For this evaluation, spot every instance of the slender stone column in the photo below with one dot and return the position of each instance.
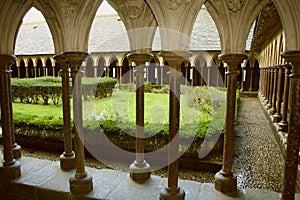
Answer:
(274, 94)
(140, 169)
(172, 191)
(283, 125)
(67, 159)
(270, 95)
(10, 169)
(267, 85)
(225, 181)
(82, 182)
(277, 116)
(261, 81)
(16, 148)
(251, 79)
(293, 140)
(225, 77)
(208, 75)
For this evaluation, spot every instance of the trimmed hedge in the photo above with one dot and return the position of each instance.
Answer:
(46, 89)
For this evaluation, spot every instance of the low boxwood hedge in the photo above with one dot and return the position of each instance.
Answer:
(48, 89)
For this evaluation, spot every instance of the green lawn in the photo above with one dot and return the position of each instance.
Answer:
(122, 106)
(201, 117)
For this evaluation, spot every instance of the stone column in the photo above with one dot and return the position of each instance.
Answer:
(277, 116)
(267, 85)
(225, 181)
(208, 76)
(172, 191)
(293, 139)
(274, 90)
(10, 169)
(140, 169)
(270, 95)
(82, 182)
(283, 124)
(260, 89)
(243, 78)
(67, 159)
(225, 76)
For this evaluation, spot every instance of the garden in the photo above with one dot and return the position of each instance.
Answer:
(109, 109)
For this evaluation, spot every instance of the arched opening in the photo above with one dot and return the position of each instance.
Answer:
(39, 68)
(101, 69)
(22, 69)
(89, 70)
(112, 68)
(125, 74)
(33, 25)
(49, 68)
(30, 69)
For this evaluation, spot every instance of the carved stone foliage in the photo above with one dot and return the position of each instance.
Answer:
(175, 4)
(235, 5)
(68, 8)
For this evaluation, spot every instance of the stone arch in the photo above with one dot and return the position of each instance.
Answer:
(101, 69)
(30, 69)
(289, 14)
(234, 25)
(89, 69)
(112, 68)
(39, 68)
(22, 69)
(49, 68)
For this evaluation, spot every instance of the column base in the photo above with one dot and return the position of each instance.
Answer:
(171, 194)
(10, 172)
(272, 111)
(17, 151)
(226, 184)
(283, 126)
(277, 117)
(67, 162)
(81, 186)
(139, 172)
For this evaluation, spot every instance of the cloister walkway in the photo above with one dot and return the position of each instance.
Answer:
(257, 164)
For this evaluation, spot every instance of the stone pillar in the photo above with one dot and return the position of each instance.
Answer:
(225, 181)
(140, 169)
(243, 78)
(277, 116)
(270, 95)
(225, 76)
(82, 182)
(10, 169)
(274, 90)
(267, 85)
(208, 75)
(283, 124)
(293, 139)
(260, 89)
(67, 159)
(172, 191)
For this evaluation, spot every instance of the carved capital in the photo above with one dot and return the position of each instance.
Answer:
(235, 5)
(6, 61)
(232, 60)
(175, 56)
(139, 58)
(293, 57)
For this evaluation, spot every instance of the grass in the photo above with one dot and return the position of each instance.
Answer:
(196, 118)
(122, 106)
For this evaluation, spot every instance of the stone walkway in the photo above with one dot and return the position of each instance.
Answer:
(259, 162)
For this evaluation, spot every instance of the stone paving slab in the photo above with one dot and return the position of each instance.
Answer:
(43, 179)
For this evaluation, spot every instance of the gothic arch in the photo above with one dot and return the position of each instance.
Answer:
(289, 14)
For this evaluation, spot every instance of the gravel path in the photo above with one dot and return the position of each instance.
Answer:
(258, 162)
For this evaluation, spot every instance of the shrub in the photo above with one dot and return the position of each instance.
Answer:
(43, 89)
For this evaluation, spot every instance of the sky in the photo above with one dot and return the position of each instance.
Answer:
(34, 15)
